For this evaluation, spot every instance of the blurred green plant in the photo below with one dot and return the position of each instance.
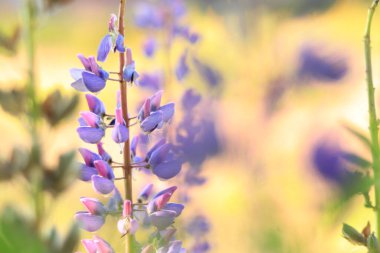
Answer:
(42, 180)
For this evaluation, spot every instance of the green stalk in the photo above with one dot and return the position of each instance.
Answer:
(30, 22)
(373, 122)
(127, 167)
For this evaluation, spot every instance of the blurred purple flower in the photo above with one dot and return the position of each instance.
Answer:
(210, 75)
(153, 81)
(149, 47)
(312, 64)
(182, 69)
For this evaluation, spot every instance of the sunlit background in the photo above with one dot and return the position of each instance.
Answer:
(290, 79)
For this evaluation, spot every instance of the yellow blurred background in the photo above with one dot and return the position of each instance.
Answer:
(263, 193)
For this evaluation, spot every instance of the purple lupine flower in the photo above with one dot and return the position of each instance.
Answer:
(102, 185)
(120, 132)
(90, 129)
(104, 48)
(182, 69)
(97, 245)
(112, 23)
(198, 226)
(162, 161)
(153, 81)
(190, 99)
(173, 247)
(129, 72)
(89, 157)
(201, 247)
(105, 156)
(162, 219)
(152, 115)
(104, 169)
(313, 64)
(92, 78)
(93, 206)
(210, 75)
(147, 16)
(88, 221)
(145, 193)
(95, 105)
(127, 224)
(119, 44)
(115, 201)
(149, 47)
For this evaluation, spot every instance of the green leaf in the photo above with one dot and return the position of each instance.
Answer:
(356, 160)
(352, 235)
(358, 134)
(56, 107)
(13, 101)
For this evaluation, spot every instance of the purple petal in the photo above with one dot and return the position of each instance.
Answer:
(159, 155)
(90, 134)
(104, 169)
(86, 172)
(134, 142)
(89, 222)
(79, 85)
(144, 110)
(145, 193)
(152, 121)
(115, 201)
(104, 48)
(155, 100)
(120, 133)
(167, 169)
(93, 205)
(162, 219)
(95, 105)
(120, 43)
(89, 157)
(89, 245)
(170, 190)
(167, 111)
(93, 82)
(102, 246)
(85, 61)
(76, 73)
(129, 73)
(105, 156)
(174, 207)
(155, 147)
(102, 185)
(93, 65)
(90, 118)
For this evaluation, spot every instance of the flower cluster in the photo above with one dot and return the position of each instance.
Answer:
(98, 167)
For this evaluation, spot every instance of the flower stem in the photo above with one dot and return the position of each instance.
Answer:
(127, 168)
(36, 177)
(373, 122)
